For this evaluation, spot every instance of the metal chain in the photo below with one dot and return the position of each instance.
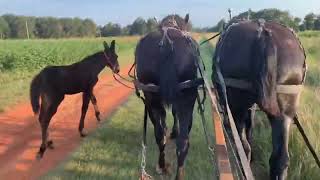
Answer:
(203, 120)
(144, 174)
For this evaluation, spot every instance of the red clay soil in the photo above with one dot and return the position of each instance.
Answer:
(20, 131)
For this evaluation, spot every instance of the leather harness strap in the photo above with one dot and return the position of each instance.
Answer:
(238, 83)
(246, 85)
(289, 89)
(155, 88)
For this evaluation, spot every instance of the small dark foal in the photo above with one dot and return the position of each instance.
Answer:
(54, 82)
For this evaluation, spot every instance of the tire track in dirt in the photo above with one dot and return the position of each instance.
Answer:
(20, 135)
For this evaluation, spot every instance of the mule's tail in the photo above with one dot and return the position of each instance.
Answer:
(266, 60)
(168, 76)
(35, 90)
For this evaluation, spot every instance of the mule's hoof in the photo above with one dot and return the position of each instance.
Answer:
(163, 171)
(82, 134)
(98, 116)
(50, 144)
(180, 174)
(39, 156)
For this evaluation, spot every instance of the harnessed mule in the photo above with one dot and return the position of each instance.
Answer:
(166, 72)
(261, 63)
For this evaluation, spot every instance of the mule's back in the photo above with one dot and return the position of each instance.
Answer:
(264, 55)
(237, 51)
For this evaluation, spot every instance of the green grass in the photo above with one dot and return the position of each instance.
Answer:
(20, 60)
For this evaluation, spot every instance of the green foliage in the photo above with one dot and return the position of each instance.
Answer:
(47, 27)
(111, 29)
(138, 27)
(309, 20)
(4, 28)
(219, 27)
(152, 24)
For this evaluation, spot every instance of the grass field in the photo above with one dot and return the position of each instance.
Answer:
(113, 151)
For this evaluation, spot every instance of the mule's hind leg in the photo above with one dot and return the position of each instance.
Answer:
(175, 131)
(48, 108)
(85, 103)
(279, 160)
(157, 115)
(184, 110)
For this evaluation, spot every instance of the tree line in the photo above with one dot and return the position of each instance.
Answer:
(12, 26)
(310, 22)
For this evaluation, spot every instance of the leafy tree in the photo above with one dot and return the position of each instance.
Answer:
(48, 28)
(17, 25)
(4, 28)
(126, 30)
(9, 18)
(317, 23)
(297, 23)
(272, 14)
(111, 29)
(67, 26)
(219, 27)
(89, 28)
(152, 25)
(309, 20)
(138, 27)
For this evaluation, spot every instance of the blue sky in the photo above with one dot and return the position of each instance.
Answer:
(202, 12)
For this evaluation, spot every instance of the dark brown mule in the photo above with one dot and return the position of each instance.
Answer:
(166, 58)
(256, 59)
(53, 82)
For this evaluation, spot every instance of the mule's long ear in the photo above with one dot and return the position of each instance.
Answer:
(106, 46)
(112, 46)
(186, 19)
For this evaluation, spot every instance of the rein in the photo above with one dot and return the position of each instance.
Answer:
(205, 41)
(123, 78)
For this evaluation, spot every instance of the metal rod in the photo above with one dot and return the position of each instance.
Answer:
(306, 140)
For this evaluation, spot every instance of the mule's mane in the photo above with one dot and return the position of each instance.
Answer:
(174, 21)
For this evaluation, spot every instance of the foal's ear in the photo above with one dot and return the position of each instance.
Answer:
(106, 46)
(186, 19)
(112, 46)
